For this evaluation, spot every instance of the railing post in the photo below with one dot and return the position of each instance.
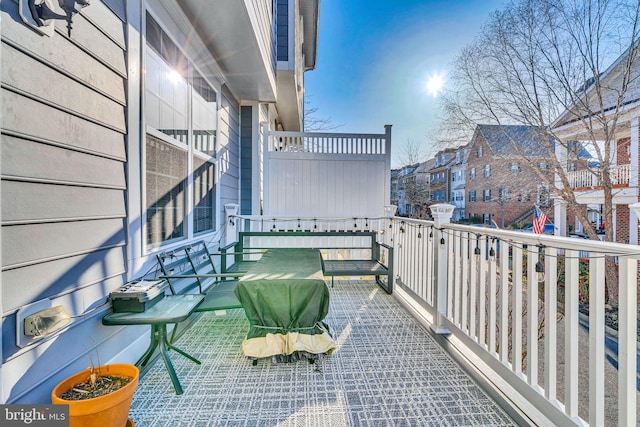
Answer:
(230, 232)
(441, 213)
(387, 154)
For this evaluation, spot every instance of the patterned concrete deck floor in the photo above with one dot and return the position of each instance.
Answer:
(386, 371)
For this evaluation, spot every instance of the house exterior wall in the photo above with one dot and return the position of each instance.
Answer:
(63, 179)
(74, 151)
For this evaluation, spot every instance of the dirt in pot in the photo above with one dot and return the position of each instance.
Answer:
(96, 386)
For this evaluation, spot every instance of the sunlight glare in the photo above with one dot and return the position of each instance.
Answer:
(435, 84)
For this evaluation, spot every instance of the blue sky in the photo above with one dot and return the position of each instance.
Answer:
(375, 57)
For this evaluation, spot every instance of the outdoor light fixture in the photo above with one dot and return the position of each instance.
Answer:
(41, 13)
(540, 271)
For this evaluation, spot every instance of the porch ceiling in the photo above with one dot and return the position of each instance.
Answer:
(386, 370)
(244, 55)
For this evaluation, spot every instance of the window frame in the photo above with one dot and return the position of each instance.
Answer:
(213, 91)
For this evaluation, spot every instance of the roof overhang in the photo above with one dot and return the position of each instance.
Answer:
(310, 11)
(229, 29)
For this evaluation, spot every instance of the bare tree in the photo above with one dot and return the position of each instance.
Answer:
(314, 123)
(543, 63)
(412, 152)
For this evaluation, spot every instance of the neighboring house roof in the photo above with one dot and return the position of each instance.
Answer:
(503, 139)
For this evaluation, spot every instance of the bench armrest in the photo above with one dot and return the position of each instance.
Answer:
(227, 247)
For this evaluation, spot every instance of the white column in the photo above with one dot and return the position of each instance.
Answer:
(634, 151)
(441, 213)
(560, 216)
(634, 216)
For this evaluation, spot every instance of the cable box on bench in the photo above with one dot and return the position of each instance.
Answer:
(137, 296)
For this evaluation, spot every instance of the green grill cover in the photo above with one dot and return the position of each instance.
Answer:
(285, 299)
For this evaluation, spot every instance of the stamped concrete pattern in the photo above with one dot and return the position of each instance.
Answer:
(386, 371)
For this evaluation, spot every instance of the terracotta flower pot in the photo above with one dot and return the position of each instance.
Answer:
(108, 410)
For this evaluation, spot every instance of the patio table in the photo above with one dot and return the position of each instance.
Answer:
(285, 298)
(170, 309)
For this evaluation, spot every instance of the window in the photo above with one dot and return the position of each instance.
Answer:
(472, 173)
(524, 196)
(542, 165)
(203, 195)
(282, 29)
(166, 174)
(544, 195)
(472, 196)
(504, 194)
(204, 115)
(453, 177)
(180, 111)
(486, 195)
(479, 152)
(487, 170)
(515, 168)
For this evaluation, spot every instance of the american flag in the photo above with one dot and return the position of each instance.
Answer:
(539, 220)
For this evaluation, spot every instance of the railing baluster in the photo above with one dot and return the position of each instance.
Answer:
(482, 292)
(627, 364)
(473, 284)
(491, 321)
(550, 323)
(516, 310)
(596, 339)
(571, 333)
(457, 261)
(466, 279)
(450, 273)
(532, 316)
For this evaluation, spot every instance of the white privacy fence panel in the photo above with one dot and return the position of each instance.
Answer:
(326, 175)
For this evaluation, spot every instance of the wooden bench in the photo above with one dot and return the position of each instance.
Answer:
(244, 253)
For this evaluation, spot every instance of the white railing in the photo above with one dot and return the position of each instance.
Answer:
(329, 143)
(474, 284)
(590, 179)
(254, 223)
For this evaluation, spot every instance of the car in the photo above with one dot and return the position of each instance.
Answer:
(548, 229)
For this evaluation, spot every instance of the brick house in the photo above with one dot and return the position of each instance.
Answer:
(500, 187)
(440, 179)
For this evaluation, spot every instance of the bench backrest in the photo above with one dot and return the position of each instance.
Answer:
(361, 242)
(192, 259)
